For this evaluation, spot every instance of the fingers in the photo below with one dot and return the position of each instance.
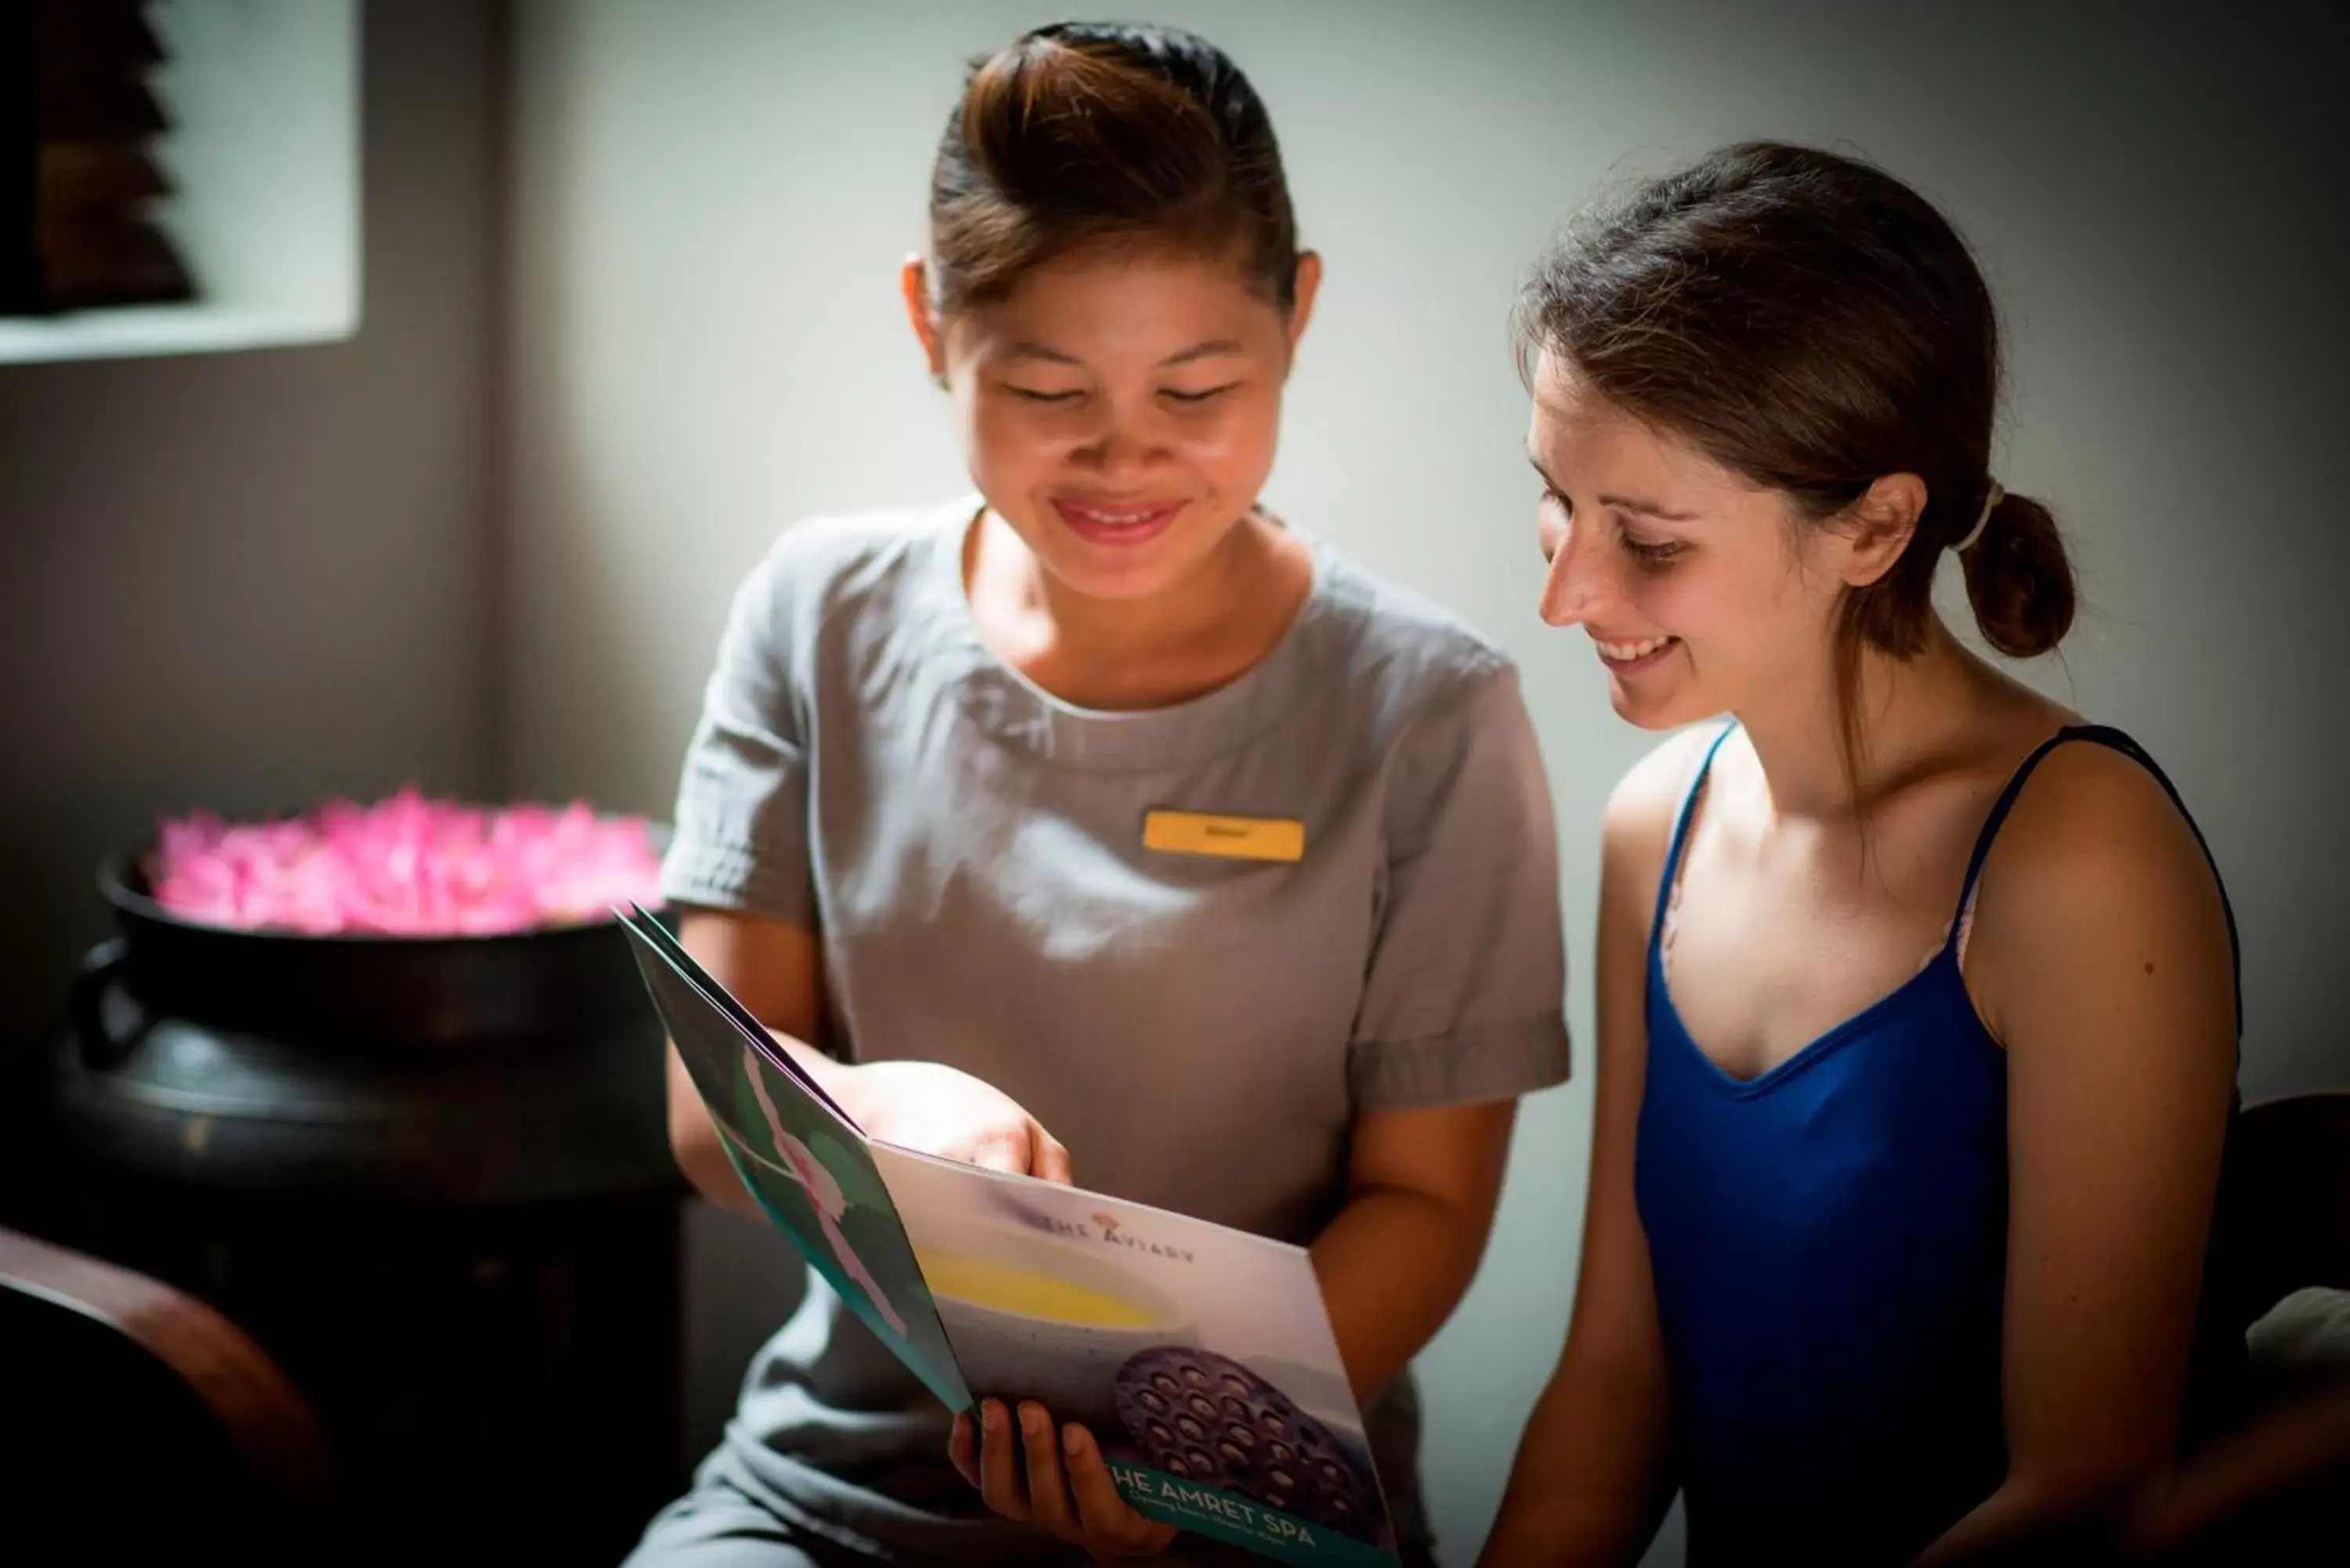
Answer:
(962, 1449)
(1048, 1159)
(999, 1472)
(1023, 1150)
(1102, 1513)
(1048, 1494)
(1018, 1469)
(1003, 1148)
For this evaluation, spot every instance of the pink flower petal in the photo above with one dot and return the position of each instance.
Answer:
(407, 866)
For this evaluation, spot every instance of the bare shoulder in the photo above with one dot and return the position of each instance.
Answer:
(2095, 823)
(2097, 878)
(1644, 799)
(1638, 820)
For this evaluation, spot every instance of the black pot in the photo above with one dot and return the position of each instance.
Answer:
(504, 1068)
(431, 1176)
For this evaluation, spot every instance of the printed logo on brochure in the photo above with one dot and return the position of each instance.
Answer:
(1100, 1228)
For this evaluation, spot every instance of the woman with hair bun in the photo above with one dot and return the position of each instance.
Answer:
(1917, 1000)
(911, 831)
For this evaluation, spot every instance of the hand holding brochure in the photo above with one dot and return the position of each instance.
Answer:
(1201, 1357)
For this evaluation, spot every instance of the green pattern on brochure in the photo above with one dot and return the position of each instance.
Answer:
(808, 1169)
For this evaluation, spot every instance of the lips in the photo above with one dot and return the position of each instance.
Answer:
(1120, 521)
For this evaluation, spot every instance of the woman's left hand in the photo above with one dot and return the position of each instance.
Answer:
(1022, 1475)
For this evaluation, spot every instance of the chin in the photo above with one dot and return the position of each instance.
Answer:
(1128, 572)
(1659, 712)
(1082, 572)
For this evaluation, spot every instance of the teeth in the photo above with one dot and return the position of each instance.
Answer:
(1624, 652)
(1118, 519)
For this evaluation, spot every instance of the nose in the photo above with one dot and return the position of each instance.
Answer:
(1580, 580)
(1120, 443)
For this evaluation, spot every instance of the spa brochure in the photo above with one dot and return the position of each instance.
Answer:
(1201, 1357)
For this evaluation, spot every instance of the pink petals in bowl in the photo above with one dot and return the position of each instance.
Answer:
(405, 867)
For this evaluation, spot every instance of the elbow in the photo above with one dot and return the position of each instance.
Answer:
(1452, 1236)
(684, 1136)
(693, 1144)
(694, 1141)
(2088, 1483)
(2070, 1507)
(684, 1139)
(681, 1149)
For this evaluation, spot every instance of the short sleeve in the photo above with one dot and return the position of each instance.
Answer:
(741, 839)
(1465, 994)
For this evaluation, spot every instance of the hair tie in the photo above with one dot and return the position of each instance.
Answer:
(1990, 504)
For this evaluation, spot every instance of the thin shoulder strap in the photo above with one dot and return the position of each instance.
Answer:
(1680, 835)
(2116, 740)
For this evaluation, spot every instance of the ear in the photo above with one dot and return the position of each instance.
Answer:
(1878, 527)
(914, 284)
(1306, 284)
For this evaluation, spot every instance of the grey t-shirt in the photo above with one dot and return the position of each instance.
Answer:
(1198, 1030)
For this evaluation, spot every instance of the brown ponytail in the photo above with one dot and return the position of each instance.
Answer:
(2017, 579)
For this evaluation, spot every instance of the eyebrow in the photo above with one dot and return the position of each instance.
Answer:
(1622, 503)
(1211, 350)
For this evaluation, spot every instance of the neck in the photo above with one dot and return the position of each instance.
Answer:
(1903, 707)
(1195, 633)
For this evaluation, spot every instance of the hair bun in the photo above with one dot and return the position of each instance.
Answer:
(2018, 580)
(1080, 131)
(1053, 122)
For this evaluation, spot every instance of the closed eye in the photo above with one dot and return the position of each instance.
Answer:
(1034, 395)
(1208, 395)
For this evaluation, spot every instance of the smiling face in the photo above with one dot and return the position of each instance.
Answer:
(1702, 592)
(1119, 407)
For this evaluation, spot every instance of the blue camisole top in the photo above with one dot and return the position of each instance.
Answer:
(1828, 1242)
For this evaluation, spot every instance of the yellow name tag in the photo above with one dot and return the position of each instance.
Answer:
(1233, 838)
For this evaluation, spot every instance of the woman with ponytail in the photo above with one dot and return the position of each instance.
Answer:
(1917, 993)
(910, 833)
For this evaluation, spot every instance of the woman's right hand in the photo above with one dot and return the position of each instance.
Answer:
(939, 1110)
(777, 969)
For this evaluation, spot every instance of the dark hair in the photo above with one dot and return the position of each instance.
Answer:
(1812, 324)
(1083, 132)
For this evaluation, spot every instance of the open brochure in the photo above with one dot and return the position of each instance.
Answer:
(1200, 1356)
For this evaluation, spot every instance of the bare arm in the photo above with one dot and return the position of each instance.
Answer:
(1421, 1186)
(2100, 957)
(1591, 1480)
(776, 971)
